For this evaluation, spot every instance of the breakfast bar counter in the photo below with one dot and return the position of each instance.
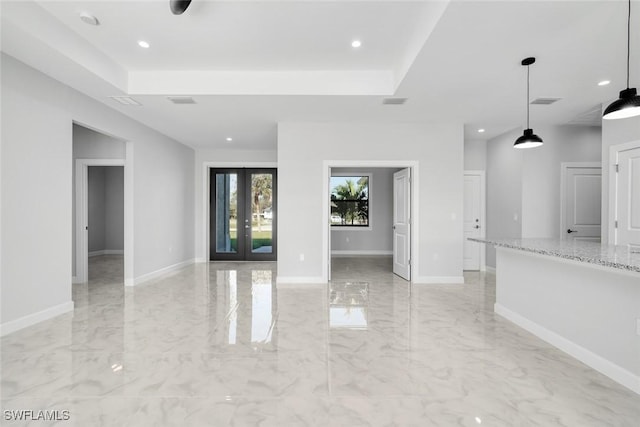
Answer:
(582, 297)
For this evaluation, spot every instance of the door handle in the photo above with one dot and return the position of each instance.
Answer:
(571, 231)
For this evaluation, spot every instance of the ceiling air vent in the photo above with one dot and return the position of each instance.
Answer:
(126, 100)
(181, 100)
(544, 101)
(394, 101)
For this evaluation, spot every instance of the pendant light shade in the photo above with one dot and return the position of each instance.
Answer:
(628, 105)
(528, 138)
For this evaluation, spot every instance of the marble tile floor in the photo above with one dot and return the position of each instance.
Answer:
(220, 344)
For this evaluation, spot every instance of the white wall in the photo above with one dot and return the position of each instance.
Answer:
(475, 155)
(614, 132)
(96, 209)
(378, 238)
(114, 206)
(304, 147)
(504, 190)
(523, 186)
(37, 116)
(219, 158)
(106, 208)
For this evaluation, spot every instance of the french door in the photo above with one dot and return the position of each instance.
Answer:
(243, 214)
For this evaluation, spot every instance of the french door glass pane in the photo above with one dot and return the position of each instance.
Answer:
(262, 213)
(226, 213)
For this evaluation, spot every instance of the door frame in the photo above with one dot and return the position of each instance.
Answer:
(326, 207)
(613, 187)
(82, 215)
(206, 188)
(244, 186)
(483, 214)
(564, 169)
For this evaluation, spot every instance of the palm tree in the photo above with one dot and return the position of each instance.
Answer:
(353, 197)
(261, 186)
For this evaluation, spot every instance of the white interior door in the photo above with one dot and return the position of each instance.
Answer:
(402, 223)
(472, 220)
(582, 203)
(628, 198)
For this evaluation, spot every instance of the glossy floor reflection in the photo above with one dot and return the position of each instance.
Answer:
(219, 344)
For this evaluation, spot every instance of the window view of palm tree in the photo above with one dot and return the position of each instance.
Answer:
(350, 201)
(260, 218)
(262, 213)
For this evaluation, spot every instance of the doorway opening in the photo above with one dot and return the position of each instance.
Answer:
(102, 208)
(243, 214)
(369, 210)
(105, 215)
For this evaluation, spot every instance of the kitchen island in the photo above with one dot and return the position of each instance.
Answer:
(582, 297)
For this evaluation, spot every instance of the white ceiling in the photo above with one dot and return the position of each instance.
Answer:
(250, 65)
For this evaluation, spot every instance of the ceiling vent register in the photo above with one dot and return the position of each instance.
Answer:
(181, 100)
(394, 101)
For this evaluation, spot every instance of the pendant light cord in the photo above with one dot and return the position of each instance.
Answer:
(628, 42)
(527, 96)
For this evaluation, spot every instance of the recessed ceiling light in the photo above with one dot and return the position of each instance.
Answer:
(229, 139)
(481, 130)
(143, 44)
(88, 18)
(604, 83)
(356, 43)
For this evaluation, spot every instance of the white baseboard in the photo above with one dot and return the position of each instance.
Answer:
(201, 260)
(31, 319)
(490, 269)
(600, 364)
(361, 253)
(159, 273)
(431, 280)
(107, 252)
(301, 280)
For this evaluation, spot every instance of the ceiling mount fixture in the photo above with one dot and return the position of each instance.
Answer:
(628, 105)
(528, 139)
(394, 101)
(179, 6)
(88, 18)
(181, 100)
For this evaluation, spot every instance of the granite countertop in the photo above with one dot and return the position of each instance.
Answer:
(620, 257)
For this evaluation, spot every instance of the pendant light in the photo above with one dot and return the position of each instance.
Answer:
(528, 139)
(628, 105)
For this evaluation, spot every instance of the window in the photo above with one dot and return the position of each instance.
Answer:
(350, 200)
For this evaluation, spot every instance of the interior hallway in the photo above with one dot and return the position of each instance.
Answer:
(220, 344)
